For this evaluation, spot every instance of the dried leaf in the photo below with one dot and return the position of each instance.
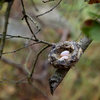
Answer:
(94, 1)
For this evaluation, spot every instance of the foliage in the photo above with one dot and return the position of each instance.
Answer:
(91, 28)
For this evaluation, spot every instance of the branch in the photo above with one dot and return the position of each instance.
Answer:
(45, 1)
(23, 71)
(59, 75)
(25, 16)
(34, 64)
(34, 5)
(35, 23)
(26, 46)
(27, 38)
(7, 14)
(84, 43)
(16, 65)
(50, 9)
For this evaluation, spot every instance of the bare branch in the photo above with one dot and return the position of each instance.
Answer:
(26, 46)
(59, 75)
(34, 64)
(50, 9)
(84, 43)
(35, 23)
(45, 1)
(56, 79)
(5, 80)
(34, 5)
(16, 65)
(25, 16)
(7, 13)
(23, 71)
(27, 38)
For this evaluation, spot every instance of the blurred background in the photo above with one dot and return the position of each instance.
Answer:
(63, 23)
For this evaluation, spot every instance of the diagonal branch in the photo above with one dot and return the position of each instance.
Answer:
(24, 72)
(16, 65)
(26, 46)
(7, 14)
(26, 19)
(59, 75)
(34, 5)
(50, 9)
(34, 64)
(25, 16)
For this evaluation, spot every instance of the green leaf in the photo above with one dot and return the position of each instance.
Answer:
(91, 28)
(94, 15)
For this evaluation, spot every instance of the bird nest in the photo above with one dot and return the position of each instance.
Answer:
(73, 49)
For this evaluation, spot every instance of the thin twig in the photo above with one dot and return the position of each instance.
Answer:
(27, 38)
(7, 14)
(31, 19)
(16, 65)
(21, 80)
(34, 5)
(16, 36)
(25, 17)
(47, 1)
(4, 81)
(23, 71)
(34, 64)
(49, 10)
(14, 51)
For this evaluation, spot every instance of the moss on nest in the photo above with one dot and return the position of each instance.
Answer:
(75, 52)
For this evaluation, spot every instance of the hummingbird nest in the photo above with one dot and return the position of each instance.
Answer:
(73, 49)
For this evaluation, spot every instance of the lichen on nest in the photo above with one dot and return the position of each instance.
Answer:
(69, 60)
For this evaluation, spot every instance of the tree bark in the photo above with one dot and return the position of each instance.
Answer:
(59, 74)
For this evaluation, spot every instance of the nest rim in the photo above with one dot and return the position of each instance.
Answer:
(75, 53)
